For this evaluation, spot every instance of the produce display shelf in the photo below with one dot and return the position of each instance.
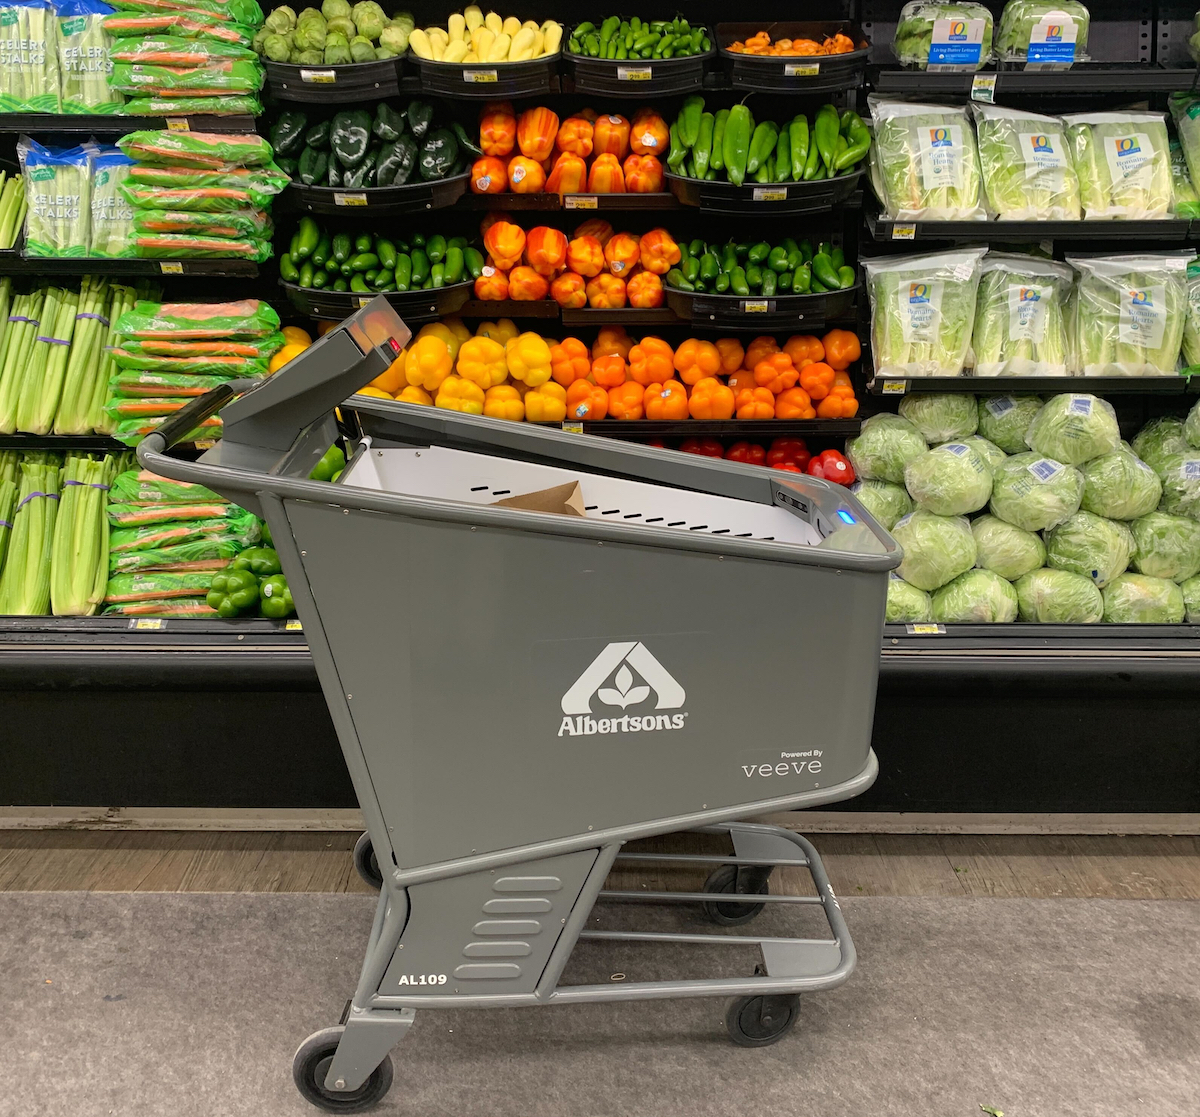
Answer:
(509, 308)
(378, 201)
(63, 443)
(635, 77)
(758, 314)
(1035, 648)
(329, 85)
(488, 81)
(1084, 77)
(1171, 230)
(756, 430)
(771, 74)
(783, 199)
(632, 316)
(110, 124)
(412, 306)
(998, 385)
(554, 202)
(13, 263)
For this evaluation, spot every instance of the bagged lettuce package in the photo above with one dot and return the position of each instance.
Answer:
(1026, 163)
(1020, 317)
(1044, 34)
(943, 36)
(1123, 160)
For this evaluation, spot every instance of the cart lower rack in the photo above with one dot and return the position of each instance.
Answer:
(543, 690)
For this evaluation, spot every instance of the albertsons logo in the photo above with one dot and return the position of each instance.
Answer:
(625, 674)
(1128, 145)
(918, 293)
(940, 137)
(1140, 298)
(1028, 295)
(958, 31)
(1041, 145)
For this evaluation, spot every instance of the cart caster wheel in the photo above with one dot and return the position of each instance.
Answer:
(311, 1064)
(761, 1021)
(747, 880)
(367, 863)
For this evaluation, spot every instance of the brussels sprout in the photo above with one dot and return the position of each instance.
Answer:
(395, 38)
(1035, 493)
(1167, 546)
(362, 49)
(331, 9)
(937, 549)
(1005, 420)
(1158, 440)
(276, 47)
(281, 20)
(368, 18)
(941, 417)
(1120, 486)
(1059, 597)
(1006, 549)
(905, 603)
(976, 597)
(1137, 599)
(1090, 545)
(1073, 429)
(949, 479)
(989, 451)
(1191, 599)
(343, 25)
(885, 501)
(884, 446)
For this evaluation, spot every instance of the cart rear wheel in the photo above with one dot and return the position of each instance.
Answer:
(744, 880)
(311, 1064)
(761, 1021)
(367, 863)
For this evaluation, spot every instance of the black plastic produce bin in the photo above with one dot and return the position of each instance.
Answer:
(381, 201)
(756, 198)
(638, 77)
(358, 81)
(822, 73)
(758, 314)
(488, 80)
(412, 306)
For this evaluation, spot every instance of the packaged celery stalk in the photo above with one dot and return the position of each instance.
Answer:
(1044, 34)
(1123, 161)
(928, 161)
(58, 190)
(112, 215)
(1026, 163)
(1020, 317)
(29, 79)
(922, 311)
(1130, 313)
(943, 36)
(84, 59)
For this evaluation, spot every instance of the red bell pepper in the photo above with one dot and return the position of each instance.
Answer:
(789, 451)
(749, 452)
(705, 447)
(831, 466)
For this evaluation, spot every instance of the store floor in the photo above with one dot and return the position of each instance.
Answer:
(1045, 977)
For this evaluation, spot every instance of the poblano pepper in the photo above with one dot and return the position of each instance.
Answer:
(438, 154)
(420, 116)
(287, 136)
(388, 125)
(349, 135)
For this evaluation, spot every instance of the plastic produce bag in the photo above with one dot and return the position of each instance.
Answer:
(243, 526)
(1035, 493)
(213, 79)
(258, 348)
(1046, 34)
(905, 603)
(84, 57)
(1120, 485)
(1167, 546)
(201, 199)
(1185, 112)
(976, 597)
(233, 104)
(152, 587)
(175, 322)
(1190, 346)
(1026, 164)
(132, 431)
(202, 150)
(1191, 599)
(58, 192)
(236, 223)
(205, 365)
(885, 501)
(212, 553)
(1123, 160)
(989, 451)
(182, 24)
(1160, 440)
(1138, 599)
(1091, 545)
(176, 50)
(922, 311)
(1005, 420)
(112, 215)
(943, 36)
(1058, 597)
(267, 180)
(950, 480)
(1021, 317)
(140, 486)
(1186, 201)
(941, 416)
(1074, 429)
(173, 607)
(245, 12)
(1191, 427)
(1180, 476)
(937, 549)
(29, 80)
(1129, 314)
(1010, 551)
(928, 161)
(183, 246)
(883, 447)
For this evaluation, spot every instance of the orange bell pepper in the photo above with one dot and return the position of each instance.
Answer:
(839, 404)
(568, 176)
(606, 292)
(842, 348)
(742, 378)
(547, 403)
(503, 402)
(731, 352)
(575, 136)
(492, 285)
(666, 400)
(658, 252)
(804, 349)
(526, 285)
(710, 399)
(610, 340)
(536, 132)
(610, 136)
(755, 403)
(570, 361)
(595, 227)
(622, 253)
(643, 174)
(606, 176)
(794, 404)
(625, 402)
(759, 350)
(817, 379)
(488, 175)
(644, 290)
(525, 175)
(610, 371)
(586, 400)
(585, 255)
(651, 361)
(775, 373)
(649, 134)
(568, 291)
(497, 130)
(545, 250)
(505, 244)
(695, 360)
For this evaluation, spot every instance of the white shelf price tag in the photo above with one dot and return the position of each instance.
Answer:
(170, 267)
(144, 624)
(983, 88)
(634, 73)
(319, 77)
(349, 199)
(770, 193)
(801, 69)
(926, 629)
(479, 77)
(580, 201)
(904, 232)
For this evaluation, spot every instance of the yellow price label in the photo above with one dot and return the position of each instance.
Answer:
(319, 77)
(143, 624)
(756, 306)
(770, 194)
(904, 231)
(340, 199)
(479, 77)
(171, 267)
(580, 201)
(926, 629)
(895, 387)
(573, 428)
(634, 73)
(178, 124)
(801, 69)
(293, 626)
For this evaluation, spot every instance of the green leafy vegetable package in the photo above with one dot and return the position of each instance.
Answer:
(1021, 317)
(1028, 173)
(1048, 34)
(1123, 160)
(29, 80)
(943, 36)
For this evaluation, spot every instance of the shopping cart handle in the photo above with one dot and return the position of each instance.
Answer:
(179, 425)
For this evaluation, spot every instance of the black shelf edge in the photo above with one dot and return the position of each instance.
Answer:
(509, 308)
(114, 124)
(750, 429)
(1093, 77)
(1026, 646)
(13, 263)
(56, 634)
(574, 202)
(79, 443)
(1171, 230)
(1000, 385)
(622, 316)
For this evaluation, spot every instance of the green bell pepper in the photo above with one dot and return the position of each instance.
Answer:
(233, 592)
(260, 561)
(332, 461)
(275, 598)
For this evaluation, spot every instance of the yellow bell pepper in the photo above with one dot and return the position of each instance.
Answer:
(529, 359)
(440, 329)
(458, 328)
(428, 362)
(503, 402)
(457, 394)
(413, 394)
(547, 403)
(481, 360)
(500, 331)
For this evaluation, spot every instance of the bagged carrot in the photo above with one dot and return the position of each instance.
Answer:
(243, 527)
(185, 25)
(200, 199)
(181, 246)
(132, 384)
(144, 408)
(246, 12)
(178, 607)
(203, 150)
(140, 486)
(236, 223)
(267, 180)
(215, 77)
(176, 50)
(132, 431)
(263, 348)
(244, 319)
(216, 551)
(235, 104)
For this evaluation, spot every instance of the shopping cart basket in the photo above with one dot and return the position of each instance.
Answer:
(519, 693)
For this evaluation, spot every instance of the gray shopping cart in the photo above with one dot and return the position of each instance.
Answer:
(548, 685)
